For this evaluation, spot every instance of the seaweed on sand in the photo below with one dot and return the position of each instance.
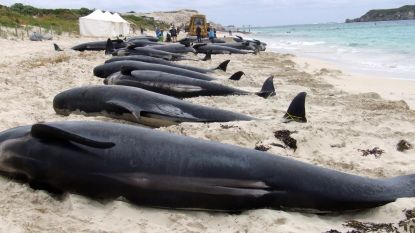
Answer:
(285, 137)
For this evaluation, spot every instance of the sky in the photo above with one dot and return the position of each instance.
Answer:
(238, 13)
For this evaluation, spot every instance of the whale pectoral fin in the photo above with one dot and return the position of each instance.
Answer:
(44, 131)
(126, 107)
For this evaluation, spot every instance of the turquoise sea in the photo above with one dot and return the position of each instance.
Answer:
(380, 48)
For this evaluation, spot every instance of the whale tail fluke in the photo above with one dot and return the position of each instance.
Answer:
(223, 66)
(267, 89)
(208, 56)
(296, 110)
(57, 48)
(237, 76)
(109, 48)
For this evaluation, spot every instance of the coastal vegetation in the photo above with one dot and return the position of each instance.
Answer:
(58, 20)
(403, 13)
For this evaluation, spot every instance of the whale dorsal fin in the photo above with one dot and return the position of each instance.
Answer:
(236, 76)
(222, 66)
(296, 110)
(268, 88)
(133, 109)
(44, 131)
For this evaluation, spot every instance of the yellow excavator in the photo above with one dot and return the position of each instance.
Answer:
(196, 20)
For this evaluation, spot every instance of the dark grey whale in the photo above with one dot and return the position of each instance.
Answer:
(99, 45)
(138, 105)
(159, 169)
(240, 45)
(259, 44)
(180, 86)
(131, 49)
(174, 48)
(217, 49)
(144, 38)
(223, 66)
(107, 69)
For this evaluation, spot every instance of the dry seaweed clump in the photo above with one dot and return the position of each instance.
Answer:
(229, 126)
(403, 146)
(371, 227)
(261, 147)
(377, 152)
(285, 137)
(408, 224)
(332, 231)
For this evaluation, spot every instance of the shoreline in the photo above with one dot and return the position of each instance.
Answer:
(355, 82)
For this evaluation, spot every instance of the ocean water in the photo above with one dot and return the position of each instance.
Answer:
(384, 49)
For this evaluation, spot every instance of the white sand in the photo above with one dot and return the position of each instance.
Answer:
(339, 124)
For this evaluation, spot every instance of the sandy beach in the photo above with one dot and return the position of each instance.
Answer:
(345, 113)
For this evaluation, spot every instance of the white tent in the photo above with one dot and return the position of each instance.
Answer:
(100, 24)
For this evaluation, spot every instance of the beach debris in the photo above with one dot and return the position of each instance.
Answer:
(371, 227)
(261, 147)
(338, 145)
(285, 137)
(57, 48)
(408, 224)
(376, 151)
(403, 146)
(39, 37)
(332, 231)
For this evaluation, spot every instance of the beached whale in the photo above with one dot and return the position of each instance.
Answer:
(223, 66)
(143, 37)
(107, 69)
(180, 86)
(159, 169)
(174, 48)
(147, 51)
(216, 49)
(241, 46)
(138, 105)
(191, 39)
(100, 45)
(131, 49)
(142, 43)
(259, 44)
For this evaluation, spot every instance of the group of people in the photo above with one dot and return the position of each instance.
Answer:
(170, 37)
(173, 32)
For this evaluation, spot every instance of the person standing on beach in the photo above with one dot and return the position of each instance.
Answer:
(211, 35)
(199, 34)
(173, 33)
(158, 32)
(161, 36)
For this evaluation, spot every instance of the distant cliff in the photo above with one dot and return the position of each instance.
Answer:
(403, 13)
